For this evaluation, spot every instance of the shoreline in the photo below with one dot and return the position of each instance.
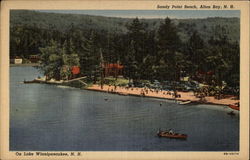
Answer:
(25, 64)
(151, 93)
(184, 96)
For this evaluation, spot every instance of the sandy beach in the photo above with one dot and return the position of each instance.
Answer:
(183, 96)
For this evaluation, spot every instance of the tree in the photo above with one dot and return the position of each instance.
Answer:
(137, 50)
(56, 62)
(195, 54)
(51, 61)
(168, 46)
(90, 58)
(131, 66)
(224, 61)
(147, 66)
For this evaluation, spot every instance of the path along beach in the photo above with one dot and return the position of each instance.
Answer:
(183, 96)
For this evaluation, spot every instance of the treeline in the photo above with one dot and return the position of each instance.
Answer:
(146, 53)
(62, 22)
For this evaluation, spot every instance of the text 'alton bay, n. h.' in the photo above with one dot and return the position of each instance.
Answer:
(195, 6)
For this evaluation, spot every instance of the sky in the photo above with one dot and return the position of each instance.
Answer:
(179, 14)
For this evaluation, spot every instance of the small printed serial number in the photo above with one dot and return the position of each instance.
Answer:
(231, 153)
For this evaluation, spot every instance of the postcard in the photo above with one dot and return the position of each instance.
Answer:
(124, 80)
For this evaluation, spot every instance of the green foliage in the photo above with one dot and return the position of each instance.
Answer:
(90, 58)
(168, 47)
(149, 49)
(116, 81)
(56, 62)
(131, 67)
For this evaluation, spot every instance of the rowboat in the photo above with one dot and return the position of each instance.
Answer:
(43, 81)
(123, 94)
(34, 81)
(171, 135)
(185, 102)
(235, 106)
(29, 81)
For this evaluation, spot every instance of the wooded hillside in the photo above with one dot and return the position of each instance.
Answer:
(163, 49)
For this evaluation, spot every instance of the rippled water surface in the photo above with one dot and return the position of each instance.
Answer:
(51, 118)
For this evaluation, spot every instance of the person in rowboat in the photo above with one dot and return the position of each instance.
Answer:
(171, 131)
(159, 131)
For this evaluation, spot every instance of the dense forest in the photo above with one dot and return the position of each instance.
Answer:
(207, 50)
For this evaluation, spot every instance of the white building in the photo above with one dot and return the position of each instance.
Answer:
(16, 61)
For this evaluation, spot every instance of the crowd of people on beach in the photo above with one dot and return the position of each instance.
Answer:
(166, 94)
(142, 91)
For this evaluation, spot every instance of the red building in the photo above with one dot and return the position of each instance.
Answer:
(112, 69)
(34, 58)
(75, 70)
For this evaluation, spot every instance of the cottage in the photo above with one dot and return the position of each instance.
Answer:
(112, 69)
(16, 60)
(34, 58)
(69, 72)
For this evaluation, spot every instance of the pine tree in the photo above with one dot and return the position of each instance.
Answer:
(137, 33)
(90, 58)
(195, 54)
(168, 46)
(131, 65)
(136, 50)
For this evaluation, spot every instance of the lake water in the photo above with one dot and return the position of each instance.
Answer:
(56, 118)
